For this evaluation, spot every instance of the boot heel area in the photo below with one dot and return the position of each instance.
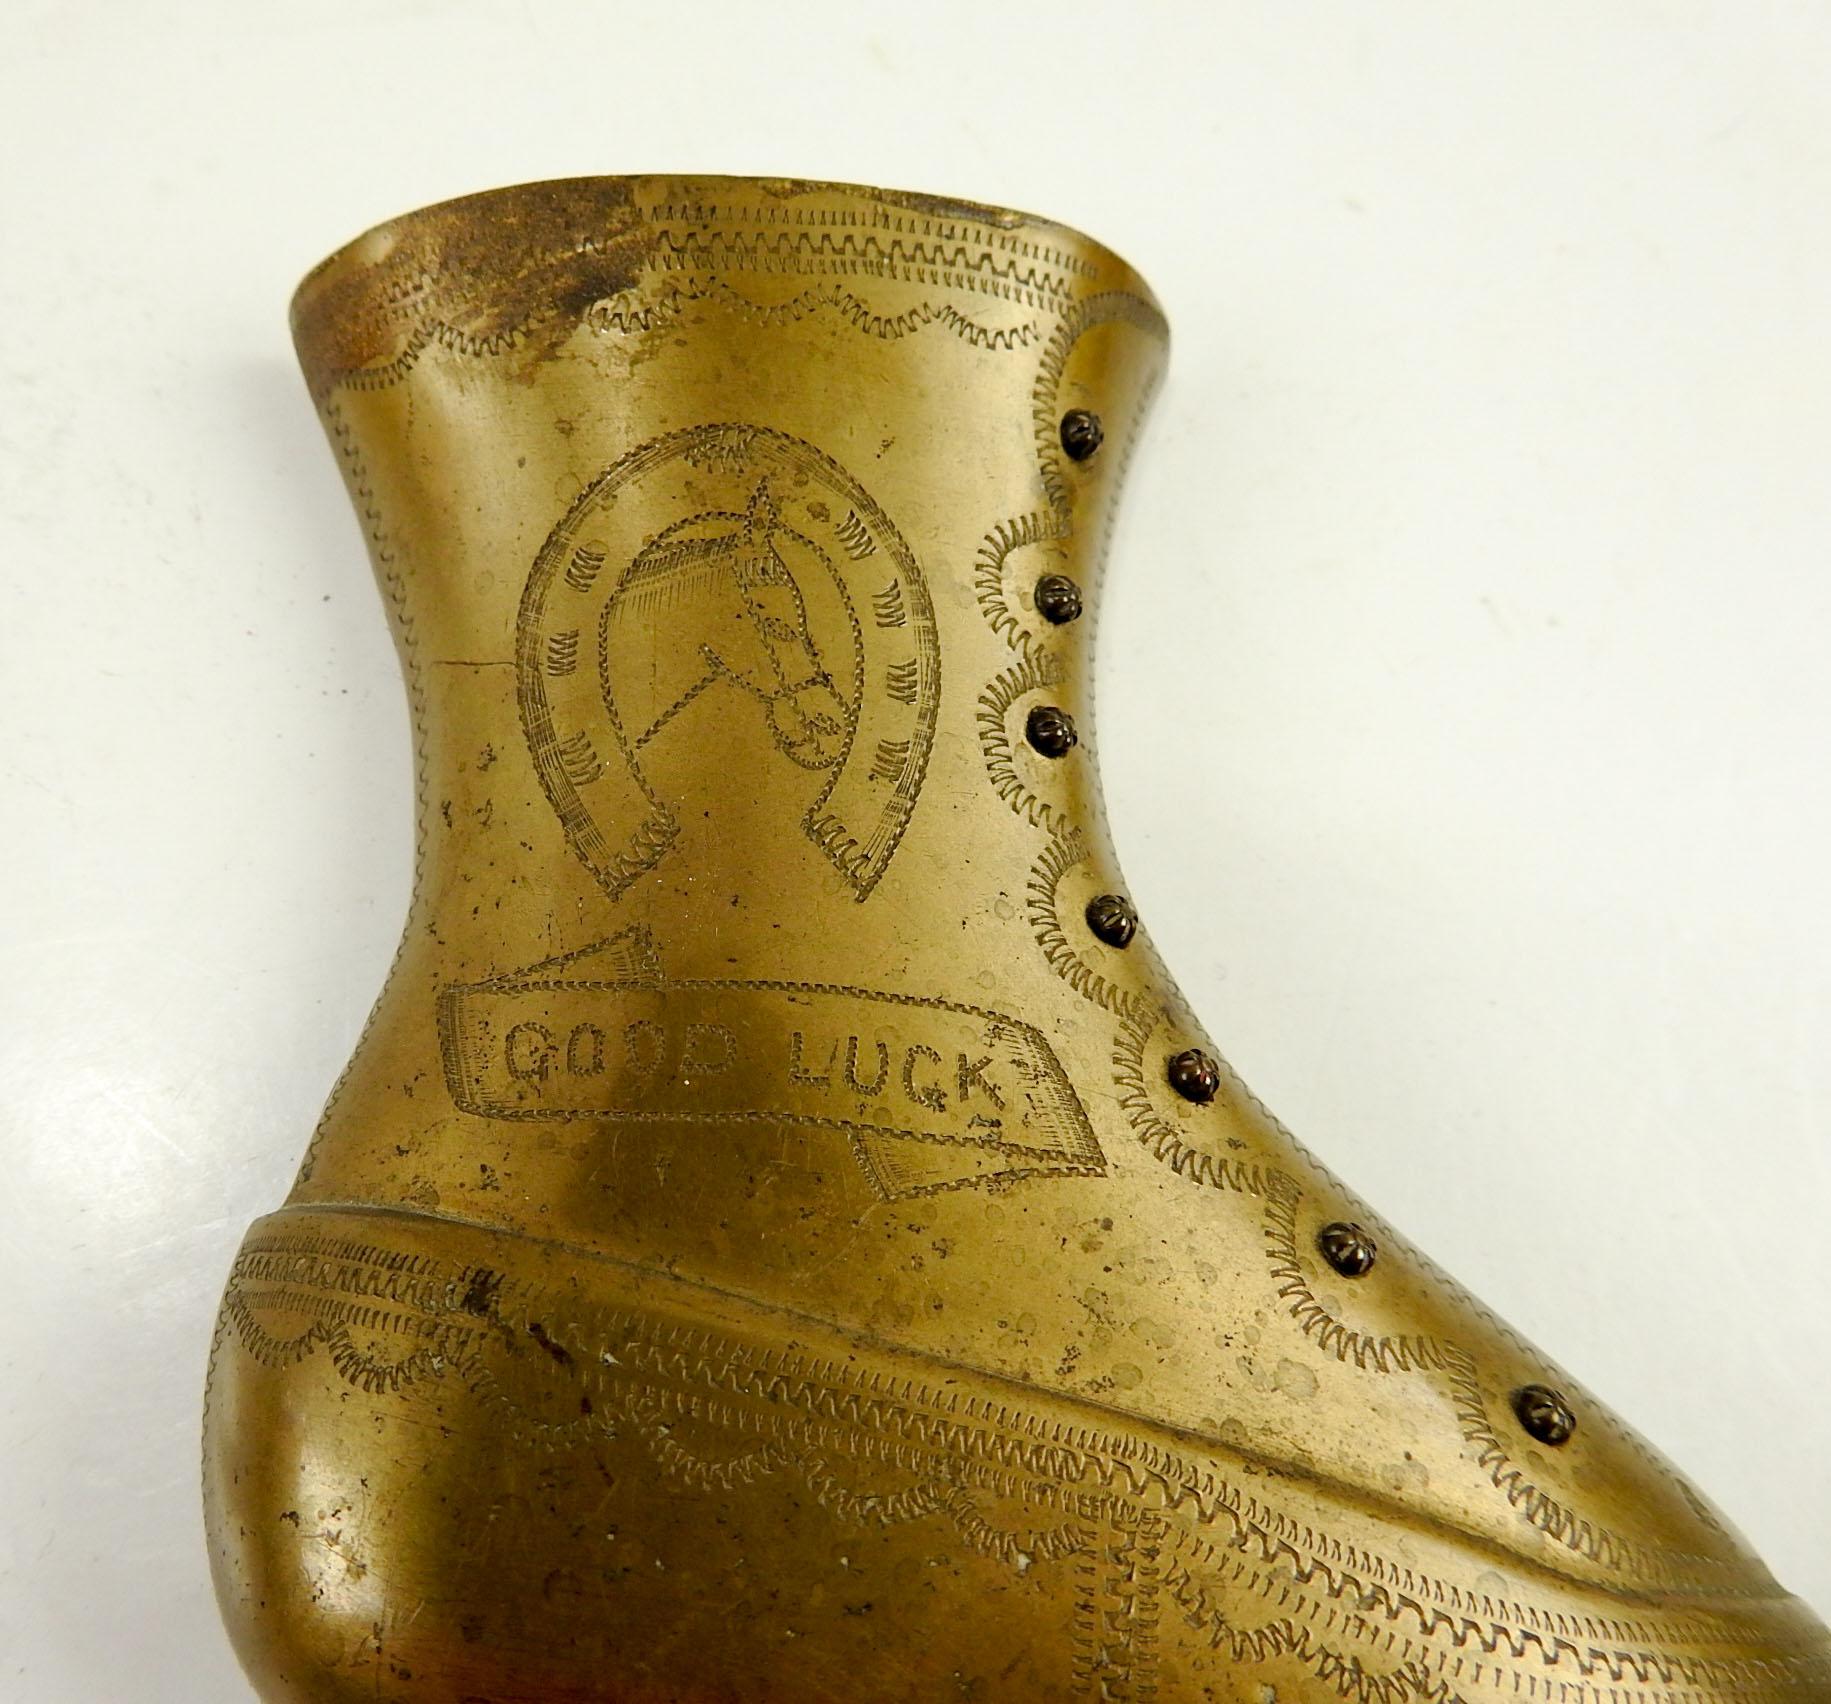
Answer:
(447, 1464)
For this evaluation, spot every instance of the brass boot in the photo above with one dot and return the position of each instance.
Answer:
(781, 1236)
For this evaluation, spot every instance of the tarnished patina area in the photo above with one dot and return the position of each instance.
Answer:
(781, 1235)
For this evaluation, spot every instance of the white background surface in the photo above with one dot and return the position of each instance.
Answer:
(1464, 687)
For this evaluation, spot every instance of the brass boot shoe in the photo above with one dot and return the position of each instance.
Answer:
(781, 1237)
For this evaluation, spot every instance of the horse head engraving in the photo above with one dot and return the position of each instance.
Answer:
(792, 614)
(737, 613)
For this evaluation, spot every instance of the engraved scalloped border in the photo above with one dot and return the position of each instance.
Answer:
(1088, 1474)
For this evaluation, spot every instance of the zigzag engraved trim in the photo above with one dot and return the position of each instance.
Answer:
(883, 210)
(1410, 1683)
(657, 1418)
(1161, 1140)
(1383, 1591)
(1117, 1611)
(1663, 1563)
(952, 264)
(1371, 1354)
(430, 293)
(1386, 1354)
(635, 1367)
(1595, 1647)
(988, 573)
(1112, 307)
(1743, 1678)
(1372, 1584)
(359, 1367)
(435, 333)
(1062, 853)
(995, 737)
(1586, 1537)
(654, 1424)
(629, 312)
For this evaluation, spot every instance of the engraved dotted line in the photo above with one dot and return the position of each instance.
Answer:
(953, 264)
(416, 302)
(1395, 1590)
(1107, 308)
(394, 589)
(878, 216)
(1494, 1640)
(628, 312)
(390, 1377)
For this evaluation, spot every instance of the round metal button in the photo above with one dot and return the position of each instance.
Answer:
(1082, 433)
(1348, 1248)
(1051, 730)
(1545, 1413)
(1058, 599)
(1113, 919)
(1195, 1076)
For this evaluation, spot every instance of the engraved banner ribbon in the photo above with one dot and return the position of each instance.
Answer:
(932, 1095)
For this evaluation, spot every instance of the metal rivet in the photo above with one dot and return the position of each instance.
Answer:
(1113, 918)
(1051, 730)
(1544, 1413)
(1082, 433)
(1347, 1247)
(1058, 598)
(1194, 1075)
